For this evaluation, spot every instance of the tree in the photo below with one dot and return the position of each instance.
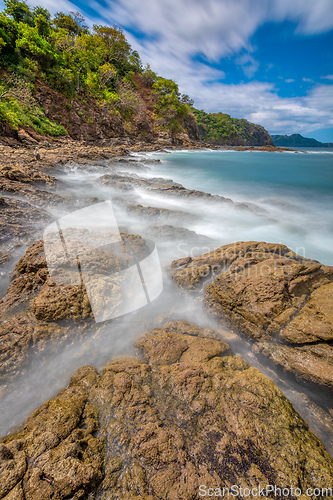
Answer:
(31, 43)
(19, 11)
(112, 45)
(73, 23)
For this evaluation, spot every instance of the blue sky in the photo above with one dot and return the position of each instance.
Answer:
(270, 61)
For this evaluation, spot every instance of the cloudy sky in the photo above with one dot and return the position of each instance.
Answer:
(270, 61)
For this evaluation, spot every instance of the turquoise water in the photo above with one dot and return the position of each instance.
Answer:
(294, 189)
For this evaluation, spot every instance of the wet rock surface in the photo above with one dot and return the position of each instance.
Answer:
(173, 233)
(26, 174)
(185, 412)
(122, 181)
(20, 220)
(160, 214)
(37, 310)
(169, 188)
(274, 297)
(20, 180)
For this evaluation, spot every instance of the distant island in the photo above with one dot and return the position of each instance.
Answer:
(297, 140)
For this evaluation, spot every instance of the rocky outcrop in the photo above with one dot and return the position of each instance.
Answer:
(160, 214)
(169, 233)
(23, 204)
(27, 174)
(36, 309)
(124, 181)
(185, 413)
(87, 120)
(19, 220)
(275, 297)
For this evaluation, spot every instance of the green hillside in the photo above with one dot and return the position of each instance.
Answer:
(58, 77)
(220, 128)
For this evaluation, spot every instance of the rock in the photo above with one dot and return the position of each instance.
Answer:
(35, 307)
(161, 426)
(20, 220)
(160, 214)
(32, 194)
(22, 173)
(176, 190)
(313, 364)
(124, 181)
(26, 138)
(56, 454)
(269, 293)
(168, 187)
(171, 233)
(4, 256)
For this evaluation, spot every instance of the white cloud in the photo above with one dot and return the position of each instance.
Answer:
(327, 77)
(307, 80)
(312, 16)
(214, 28)
(179, 30)
(248, 64)
(289, 80)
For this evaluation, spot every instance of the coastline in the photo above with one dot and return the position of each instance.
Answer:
(67, 150)
(43, 318)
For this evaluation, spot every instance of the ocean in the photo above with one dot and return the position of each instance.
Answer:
(294, 191)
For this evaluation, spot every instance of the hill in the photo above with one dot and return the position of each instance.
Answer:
(297, 140)
(59, 78)
(220, 128)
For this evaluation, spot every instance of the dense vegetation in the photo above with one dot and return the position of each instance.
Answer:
(220, 128)
(297, 140)
(84, 76)
(79, 63)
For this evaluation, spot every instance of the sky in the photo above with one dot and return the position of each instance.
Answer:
(269, 61)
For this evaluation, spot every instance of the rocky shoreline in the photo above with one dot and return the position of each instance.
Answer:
(186, 410)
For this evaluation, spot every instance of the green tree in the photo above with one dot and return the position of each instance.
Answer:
(73, 23)
(19, 11)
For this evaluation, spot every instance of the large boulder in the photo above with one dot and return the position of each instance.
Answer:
(36, 309)
(274, 297)
(185, 413)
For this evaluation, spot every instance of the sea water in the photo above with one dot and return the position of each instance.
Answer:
(293, 189)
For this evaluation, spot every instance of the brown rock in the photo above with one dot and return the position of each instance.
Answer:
(161, 429)
(20, 220)
(33, 194)
(159, 214)
(56, 453)
(267, 292)
(25, 174)
(26, 138)
(34, 304)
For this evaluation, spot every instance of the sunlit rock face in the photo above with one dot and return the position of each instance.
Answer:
(273, 296)
(185, 412)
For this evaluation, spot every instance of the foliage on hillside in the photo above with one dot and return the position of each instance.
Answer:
(79, 63)
(220, 128)
(57, 76)
(297, 140)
